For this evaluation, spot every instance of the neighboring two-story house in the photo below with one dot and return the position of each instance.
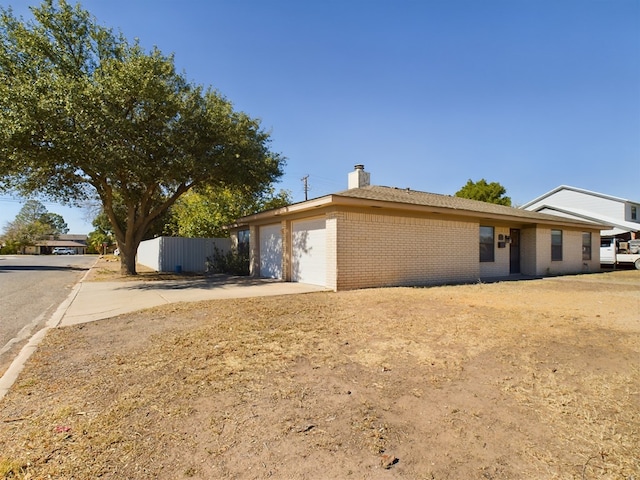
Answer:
(579, 204)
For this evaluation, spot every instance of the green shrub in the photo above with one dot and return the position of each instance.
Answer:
(233, 262)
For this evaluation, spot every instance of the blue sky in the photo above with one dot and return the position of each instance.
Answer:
(426, 94)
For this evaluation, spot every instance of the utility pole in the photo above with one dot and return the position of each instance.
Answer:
(305, 181)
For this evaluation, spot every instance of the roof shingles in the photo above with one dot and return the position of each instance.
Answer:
(425, 199)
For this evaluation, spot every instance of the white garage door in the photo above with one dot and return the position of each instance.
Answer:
(271, 251)
(308, 247)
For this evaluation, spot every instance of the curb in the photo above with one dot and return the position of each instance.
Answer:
(11, 375)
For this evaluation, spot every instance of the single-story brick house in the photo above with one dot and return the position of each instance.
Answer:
(374, 236)
(68, 240)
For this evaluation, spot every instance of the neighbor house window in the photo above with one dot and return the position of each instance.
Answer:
(586, 246)
(556, 245)
(486, 244)
(634, 212)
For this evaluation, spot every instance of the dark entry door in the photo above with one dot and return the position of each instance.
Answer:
(514, 251)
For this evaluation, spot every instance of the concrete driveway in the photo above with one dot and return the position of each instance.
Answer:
(99, 300)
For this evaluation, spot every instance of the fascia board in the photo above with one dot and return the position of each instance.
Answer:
(546, 220)
(338, 200)
(284, 211)
(578, 190)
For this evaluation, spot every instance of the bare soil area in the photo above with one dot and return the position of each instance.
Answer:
(532, 379)
(107, 269)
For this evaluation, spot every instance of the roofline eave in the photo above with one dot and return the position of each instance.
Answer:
(579, 190)
(547, 220)
(610, 224)
(288, 210)
(341, 200)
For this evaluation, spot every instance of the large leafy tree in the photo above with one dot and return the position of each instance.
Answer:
(485, 192)
(206, 212)
(85, 113)
(32, 223)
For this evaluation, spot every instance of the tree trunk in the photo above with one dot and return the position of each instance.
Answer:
(128, 259)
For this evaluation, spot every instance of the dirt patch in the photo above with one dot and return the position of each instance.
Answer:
(107, 269)
(536, 379)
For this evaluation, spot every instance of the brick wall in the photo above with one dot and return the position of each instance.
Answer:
(388, 250)
(571, 252)
(528, 251)
(366, 249)
(332, 250)
(254, 251)
(500, 266)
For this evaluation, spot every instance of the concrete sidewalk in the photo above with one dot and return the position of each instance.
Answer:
(91, 301)
(99, 300)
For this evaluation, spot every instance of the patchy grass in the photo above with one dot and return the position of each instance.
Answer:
(535, 379)
(107, 269)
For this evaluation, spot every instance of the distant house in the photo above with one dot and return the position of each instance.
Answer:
(45, 247)
(622, 215)
(374, 236)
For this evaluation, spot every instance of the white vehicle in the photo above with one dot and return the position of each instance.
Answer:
(614, 252)
(63, 251)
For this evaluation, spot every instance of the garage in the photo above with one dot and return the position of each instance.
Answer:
(308, 248)
(373, 236)
(271, 251)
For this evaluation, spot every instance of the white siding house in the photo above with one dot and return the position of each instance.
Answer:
(580, 204)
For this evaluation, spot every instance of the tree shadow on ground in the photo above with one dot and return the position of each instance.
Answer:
(42, 268)
(206, 282)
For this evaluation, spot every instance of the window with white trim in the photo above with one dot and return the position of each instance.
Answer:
(487, 252)
(556, 245)
(586, 245)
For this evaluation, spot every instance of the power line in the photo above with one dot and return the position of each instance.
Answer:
(305, 181)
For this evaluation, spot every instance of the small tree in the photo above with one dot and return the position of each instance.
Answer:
(103, 234)
(485, 192)
(206, 212)
(32, 223)
(56, 223)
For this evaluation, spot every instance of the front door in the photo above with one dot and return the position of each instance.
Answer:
(514, 251)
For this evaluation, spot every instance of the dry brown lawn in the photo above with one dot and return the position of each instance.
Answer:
(533, 379)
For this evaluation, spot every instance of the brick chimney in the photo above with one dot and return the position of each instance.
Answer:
(359, 178)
